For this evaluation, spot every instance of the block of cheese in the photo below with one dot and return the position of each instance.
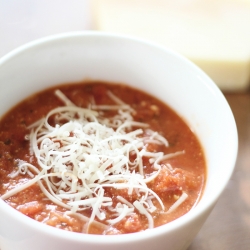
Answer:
(214, 34)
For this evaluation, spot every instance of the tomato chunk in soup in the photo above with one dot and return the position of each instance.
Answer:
(99, 158)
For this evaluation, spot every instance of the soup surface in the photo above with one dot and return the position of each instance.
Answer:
(99, 158)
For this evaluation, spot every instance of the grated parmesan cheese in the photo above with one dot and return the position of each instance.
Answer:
(83, 153)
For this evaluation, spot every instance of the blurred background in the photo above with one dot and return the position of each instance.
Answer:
(214, 34)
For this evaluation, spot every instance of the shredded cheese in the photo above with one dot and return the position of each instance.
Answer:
(182, 198)
(83, 153)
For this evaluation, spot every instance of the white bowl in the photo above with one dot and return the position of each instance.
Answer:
(165, 74)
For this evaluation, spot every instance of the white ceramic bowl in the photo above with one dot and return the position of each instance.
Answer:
(157, 70)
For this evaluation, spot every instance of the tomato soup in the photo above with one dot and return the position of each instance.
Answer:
(99, 158)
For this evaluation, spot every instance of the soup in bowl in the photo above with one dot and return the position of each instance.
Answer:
(109, 142)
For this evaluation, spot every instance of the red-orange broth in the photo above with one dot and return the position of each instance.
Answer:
(184, 173)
